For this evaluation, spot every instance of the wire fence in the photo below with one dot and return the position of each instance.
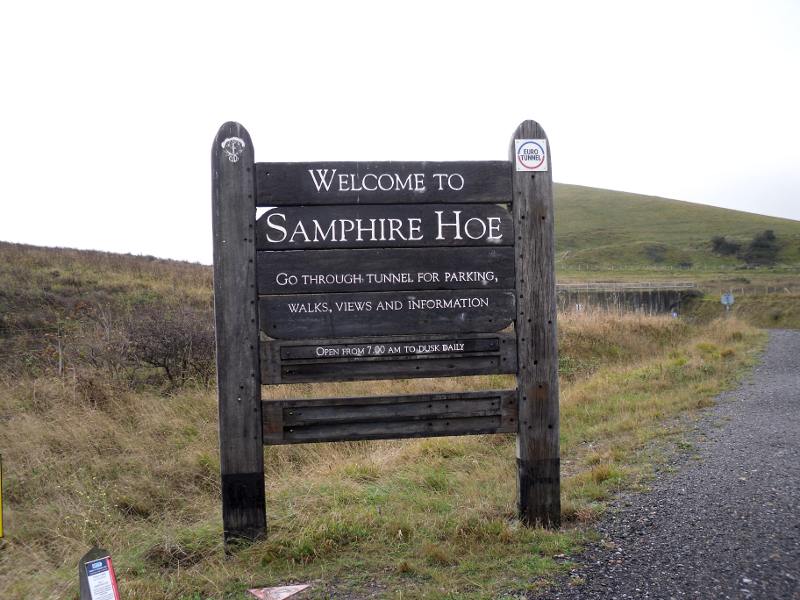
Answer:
(626, 286)
(706, 268)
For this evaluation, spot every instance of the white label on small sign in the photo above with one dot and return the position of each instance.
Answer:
(531, 155)
(102, 583)
(279, 593)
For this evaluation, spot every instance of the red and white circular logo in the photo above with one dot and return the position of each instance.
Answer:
(531, 155)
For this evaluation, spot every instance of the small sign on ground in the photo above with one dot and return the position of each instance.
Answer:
(97, 578)
(278, 593)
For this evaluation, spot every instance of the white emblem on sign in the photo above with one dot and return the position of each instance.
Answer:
(233, 147)
(531, 155)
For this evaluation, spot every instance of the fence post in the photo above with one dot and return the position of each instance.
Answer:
(238, 377)
(538, 463)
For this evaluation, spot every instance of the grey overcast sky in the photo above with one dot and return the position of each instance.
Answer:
(109, 109)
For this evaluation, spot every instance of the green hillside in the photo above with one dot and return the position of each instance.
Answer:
(108, 434)
(599, 229)
(108, 423)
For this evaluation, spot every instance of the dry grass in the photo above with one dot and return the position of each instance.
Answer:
(138, 473)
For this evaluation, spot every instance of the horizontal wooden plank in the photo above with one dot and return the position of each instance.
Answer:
(290, 361)
(385, 313)
(350, 352)
(283, 184)
(453, 366)
(384, 417)
(400, 411)
(406, 429)
(384, 226)
(382, 269)
(421, 345)
(506, 396)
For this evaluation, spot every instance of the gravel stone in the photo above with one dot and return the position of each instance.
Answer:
(727, 524)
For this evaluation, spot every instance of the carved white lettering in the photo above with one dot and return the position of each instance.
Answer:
(455, 225)
(414, 226)
(459, 182)
(455, 181)
(441, 225)
(385, 182)
(364, 182)
(475, 228)
(494, 228)
(347, 226)
(370, 229)
(308, 307)
(324, 180)
(320, 235)
(285, 279)
(442, 303)
(276, 227)
(299, 229)
(404, 184)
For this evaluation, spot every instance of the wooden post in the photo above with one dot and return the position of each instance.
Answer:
(60, 356)
(238, 373)
(538, 462)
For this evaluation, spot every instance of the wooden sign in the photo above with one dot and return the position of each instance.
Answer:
(382, 226)
(400, 357)
(346, 271)
(387, 417)
(385, 269)
(385, 313)
(286, 184)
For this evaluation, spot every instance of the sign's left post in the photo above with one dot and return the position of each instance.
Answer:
(235, 307)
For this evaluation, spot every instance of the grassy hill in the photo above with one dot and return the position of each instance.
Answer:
(108, 429)
(102, 444)
(601, 229)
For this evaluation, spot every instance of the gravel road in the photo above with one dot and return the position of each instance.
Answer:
(727, 524)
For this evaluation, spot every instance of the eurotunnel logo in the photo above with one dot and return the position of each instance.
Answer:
(531, 155)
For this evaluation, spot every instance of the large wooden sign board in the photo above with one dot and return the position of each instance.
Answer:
(346, 271)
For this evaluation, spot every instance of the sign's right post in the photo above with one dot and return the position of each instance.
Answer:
(538, 462)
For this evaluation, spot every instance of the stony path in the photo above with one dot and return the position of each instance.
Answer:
(726, 525)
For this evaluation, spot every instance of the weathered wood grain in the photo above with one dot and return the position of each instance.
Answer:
(537, 350)
(453, 366)
(381, 269)
(283, 184)
(399, 411)
(310, 316)
(238, 372)
(395, 430)
(387, 358)
(385, 417)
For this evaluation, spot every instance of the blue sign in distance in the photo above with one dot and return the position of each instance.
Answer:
(727, 299)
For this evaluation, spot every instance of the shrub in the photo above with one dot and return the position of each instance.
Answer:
(724, 247)
(763, 249)
(179, 340)
(656, 252)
